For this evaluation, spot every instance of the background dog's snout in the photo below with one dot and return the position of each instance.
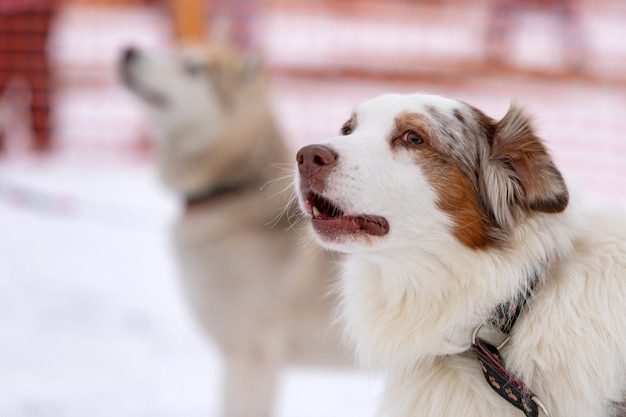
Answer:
(129, 55)
(314, 160)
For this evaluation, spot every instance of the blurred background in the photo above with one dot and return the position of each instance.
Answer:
(92, 322)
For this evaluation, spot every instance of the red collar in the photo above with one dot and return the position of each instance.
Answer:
(499, 378)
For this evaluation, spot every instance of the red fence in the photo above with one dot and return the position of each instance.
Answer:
(566, 59)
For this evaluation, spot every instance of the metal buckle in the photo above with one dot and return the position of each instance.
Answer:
(541, 405)
(503, 339)
(493, 336)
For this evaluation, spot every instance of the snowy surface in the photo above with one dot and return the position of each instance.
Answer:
(92, 321)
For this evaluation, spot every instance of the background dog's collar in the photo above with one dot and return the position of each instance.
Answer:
(499, 378)
(193, 200)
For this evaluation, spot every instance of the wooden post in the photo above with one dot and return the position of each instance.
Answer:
(189, 19)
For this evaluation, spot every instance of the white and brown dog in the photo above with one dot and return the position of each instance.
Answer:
(452, 221)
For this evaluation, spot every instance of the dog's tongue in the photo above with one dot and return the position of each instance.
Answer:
(347, 225)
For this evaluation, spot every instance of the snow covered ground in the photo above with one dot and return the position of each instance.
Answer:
(92, 322)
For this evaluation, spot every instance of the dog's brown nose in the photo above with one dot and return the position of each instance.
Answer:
(315, 161)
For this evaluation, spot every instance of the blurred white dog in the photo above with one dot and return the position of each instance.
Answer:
(471, 282)
(260, 294)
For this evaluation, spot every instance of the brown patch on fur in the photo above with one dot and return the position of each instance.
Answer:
(457, 194)
(458, 200)
(349, 126)
(486, 173)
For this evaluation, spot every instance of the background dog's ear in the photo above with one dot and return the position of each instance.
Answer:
(520, 175)
(252, 66)
(252, 62)
(222, 30)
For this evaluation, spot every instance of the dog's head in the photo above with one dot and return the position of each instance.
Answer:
(200, 99)
(420, 169)
(192, 86)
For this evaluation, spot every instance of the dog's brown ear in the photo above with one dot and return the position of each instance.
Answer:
(521, 175)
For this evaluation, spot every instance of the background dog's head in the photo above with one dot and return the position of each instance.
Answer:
(191, 87)
(210, 110)
(420, 170)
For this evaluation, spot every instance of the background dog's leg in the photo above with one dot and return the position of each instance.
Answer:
(250, 380)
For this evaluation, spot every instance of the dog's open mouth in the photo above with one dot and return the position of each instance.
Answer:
(331, 222)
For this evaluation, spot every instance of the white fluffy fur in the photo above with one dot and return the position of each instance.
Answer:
(411, 298)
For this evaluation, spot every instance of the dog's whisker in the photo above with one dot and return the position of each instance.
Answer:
(287, 212)
(308, 241)
(283, 166)
(287, 177)
(286, 190)
(295, 218)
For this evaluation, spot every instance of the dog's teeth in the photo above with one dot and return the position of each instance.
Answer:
(316, 212)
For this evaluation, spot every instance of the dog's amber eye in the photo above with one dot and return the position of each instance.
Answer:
(412, 138)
